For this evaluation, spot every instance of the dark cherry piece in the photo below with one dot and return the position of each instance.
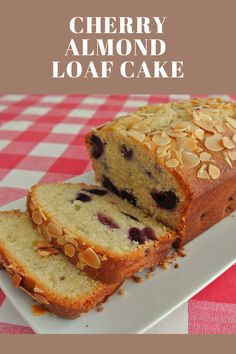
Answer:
(130, 216)
(107, 221)
(97, 146)
(83, 197)
(129, 197)
(95, 191)
(136, 235)
(109, 185)
(166, 200)
(127, 153)
(149, 233)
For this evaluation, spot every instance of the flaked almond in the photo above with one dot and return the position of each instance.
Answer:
(148, 145)
(190, 160)
(186, 144)
(44, 231)
(69, 250)
(61, 241)
(104, 258)
(179, 127)
(204, 156)
(220, 128)
(33, 206)
(16, 280)
(205, 125)
(176, 134)
(172, 163)
(234, 138)
(162, 150)
(37, 217)
(71, 239)
(228, 144)
(162, 139)
(214, 143)
(227, 159)
(136, 135)
(41, 299)
(38, 290)
(202, 172)
(44, 244)
(43, 253)
(141, 128)
(90, 258)
(232, 122)
(199, 133)
(232, 155)
(230, 127)
(54, 230)
(214, 171)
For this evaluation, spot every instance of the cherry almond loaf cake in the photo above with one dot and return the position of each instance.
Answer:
(175, 161)
(100, 233)
(51, 280)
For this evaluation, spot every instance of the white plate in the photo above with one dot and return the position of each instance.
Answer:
(148, 302)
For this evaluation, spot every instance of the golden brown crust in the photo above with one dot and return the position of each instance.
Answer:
(112, 268)
(37, 290)
(209, 187)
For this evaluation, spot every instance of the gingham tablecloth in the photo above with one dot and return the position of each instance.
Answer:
(42, 139)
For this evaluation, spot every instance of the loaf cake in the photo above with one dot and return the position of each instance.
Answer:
(176, 161)
(99, 232)
(51, 280)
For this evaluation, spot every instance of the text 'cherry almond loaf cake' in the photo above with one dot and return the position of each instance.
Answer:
(99, 232)
(51, 280)
(176, 161)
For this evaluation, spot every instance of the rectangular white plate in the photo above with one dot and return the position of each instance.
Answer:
(148, 302)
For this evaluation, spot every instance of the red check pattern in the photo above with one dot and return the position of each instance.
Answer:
(42, 139)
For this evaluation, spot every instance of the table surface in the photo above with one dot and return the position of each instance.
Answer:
(42, 139)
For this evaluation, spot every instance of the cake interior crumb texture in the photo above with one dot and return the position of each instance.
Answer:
(101, 220)
(54, 273)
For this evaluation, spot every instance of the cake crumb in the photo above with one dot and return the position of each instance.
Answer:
(176, 265)
(136, 278)
(165, 265)
(181, 252)
(122, 292)
(149, 275)
(99, 308)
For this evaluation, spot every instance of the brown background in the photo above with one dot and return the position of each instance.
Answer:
(34, 33)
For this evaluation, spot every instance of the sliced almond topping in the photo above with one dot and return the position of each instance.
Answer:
(43, 253)
(44, 231)
(220, 129)
(204, 156)
(16, 280)
(228, 144)
(104, 258)
(227, 159)
(37, 217)
(44, 244)
(214, 172)
(202, 173)
(69, 250)
(41, 299)
(90, 258)
(38, 290)
(141, 128)
(179, 127)
(71, 239)
(186, 144)
(234, 138)
(148, 145)
(172, 163)
(230, 127)
(199, 133)
(136, 135)
(160, 140)
(54, 230)
(61, 241)
(190, 160)
(232, 122)
(33, 206)
(176, 134)
(162, 150)
(232, 155)
(214, 143)
(208, 126)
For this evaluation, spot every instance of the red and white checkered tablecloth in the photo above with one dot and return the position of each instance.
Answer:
(42, 139)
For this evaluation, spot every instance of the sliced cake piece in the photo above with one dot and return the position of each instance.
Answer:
(99, 232)
(176, 161)
(52, 281)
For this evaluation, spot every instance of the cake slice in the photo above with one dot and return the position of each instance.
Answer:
(176, 161)
(50, 280)
(99, 232)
